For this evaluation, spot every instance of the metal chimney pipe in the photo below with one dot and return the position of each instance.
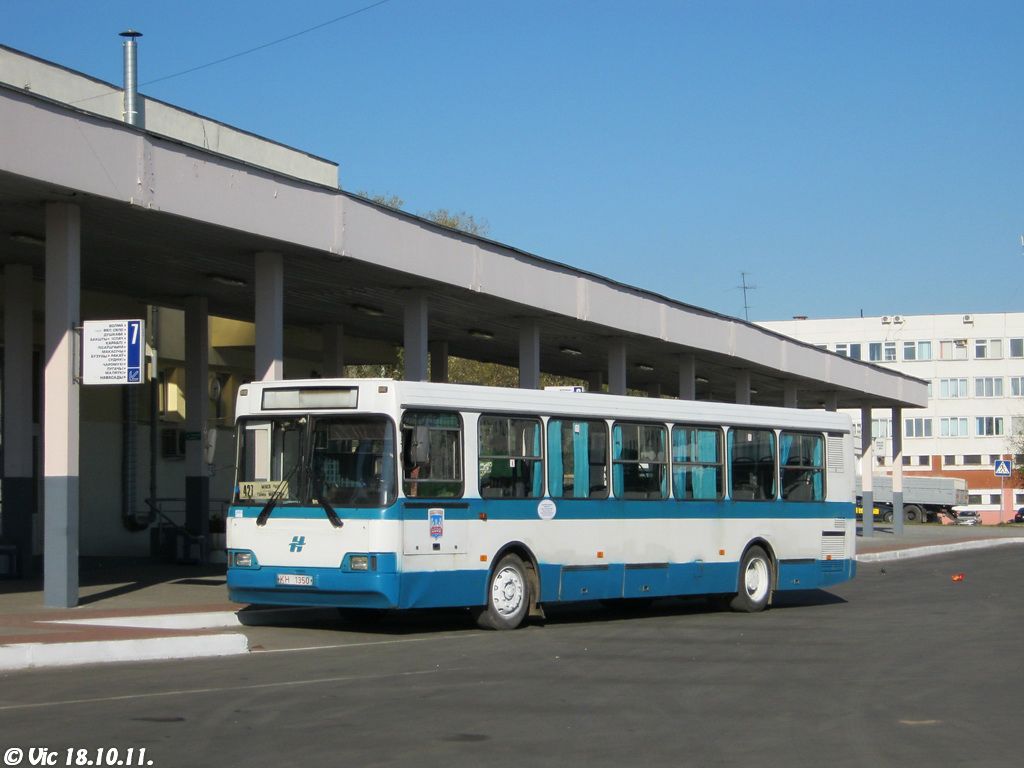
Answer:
(131, 84)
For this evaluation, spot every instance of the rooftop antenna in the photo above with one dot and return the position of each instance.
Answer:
(745, 287)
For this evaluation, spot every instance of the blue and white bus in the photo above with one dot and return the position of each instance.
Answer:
(383, 494)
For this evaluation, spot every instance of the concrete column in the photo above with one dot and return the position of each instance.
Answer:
(832, 404)
(790, 398)
(743, 387)
(197, 408)
(897, 471)
(529, 353)
(867, 465)
(617, 366)
(334, 350)
(687, 377)
(60, 406)
(654, 390)
(595, 381)
(269, 316)
(19, 491)
(416, 336)
(438, 360)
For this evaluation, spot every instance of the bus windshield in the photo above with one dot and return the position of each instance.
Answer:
(345, 461)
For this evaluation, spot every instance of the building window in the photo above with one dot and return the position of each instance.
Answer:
(848, 350)
(889, 351)
(954, 349)
(988, 426)
(1016, 347)
(949, 461)
(881, 428)
(952, 388)
(917, 350)
(972, 460)
(917, 428)
(953, 427)
(1017, 386)
(974, 499)
(924, 461)
(988, 349)
(989, 386)
(1017, 427)
(875, 352)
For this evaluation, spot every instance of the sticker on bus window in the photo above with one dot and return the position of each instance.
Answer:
(546, 509)
(263, 489)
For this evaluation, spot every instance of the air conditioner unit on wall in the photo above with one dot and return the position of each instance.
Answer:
(968, 319)
(897, 318)
(886, 319)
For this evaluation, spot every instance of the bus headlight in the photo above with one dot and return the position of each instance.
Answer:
(359, 562)
(241, 559)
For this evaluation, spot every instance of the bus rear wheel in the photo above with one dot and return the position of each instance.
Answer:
(508, 596)
(755, 582)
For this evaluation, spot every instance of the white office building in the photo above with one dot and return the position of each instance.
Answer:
(974, 366)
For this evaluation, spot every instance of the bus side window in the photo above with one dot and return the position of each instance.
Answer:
(432, 455)
(510, 457)
(639, 461)
(697, 471)
(802, 466)
(577, 459)
(752, 475)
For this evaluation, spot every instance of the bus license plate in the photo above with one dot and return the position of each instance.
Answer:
(294, 580)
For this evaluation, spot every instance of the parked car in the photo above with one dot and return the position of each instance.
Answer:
(1019, 517)
(968, 517)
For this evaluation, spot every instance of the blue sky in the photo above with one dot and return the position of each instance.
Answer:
(850, 157)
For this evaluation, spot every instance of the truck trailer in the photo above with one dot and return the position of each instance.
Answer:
(925, 499)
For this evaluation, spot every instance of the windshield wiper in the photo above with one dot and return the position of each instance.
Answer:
(328, 509)
(275, 497)
(272, 501)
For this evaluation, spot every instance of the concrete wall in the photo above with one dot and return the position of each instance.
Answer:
(91, 95)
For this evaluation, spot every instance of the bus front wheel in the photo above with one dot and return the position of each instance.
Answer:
(755, 582)
(508, 596)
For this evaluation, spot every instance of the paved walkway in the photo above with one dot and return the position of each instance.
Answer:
(172, 612)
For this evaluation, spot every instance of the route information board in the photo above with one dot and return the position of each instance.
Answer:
(113, 351)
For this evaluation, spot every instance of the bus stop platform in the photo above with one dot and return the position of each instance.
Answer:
(152, 612)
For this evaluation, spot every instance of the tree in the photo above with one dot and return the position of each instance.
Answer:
(462, 221)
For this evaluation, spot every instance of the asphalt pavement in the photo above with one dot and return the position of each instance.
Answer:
(152, 612)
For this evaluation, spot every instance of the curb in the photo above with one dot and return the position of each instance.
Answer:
(17, 656)
(32, 655)
(936, 549)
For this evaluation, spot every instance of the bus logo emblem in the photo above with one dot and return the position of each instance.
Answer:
(436, 519)
(298, 542)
